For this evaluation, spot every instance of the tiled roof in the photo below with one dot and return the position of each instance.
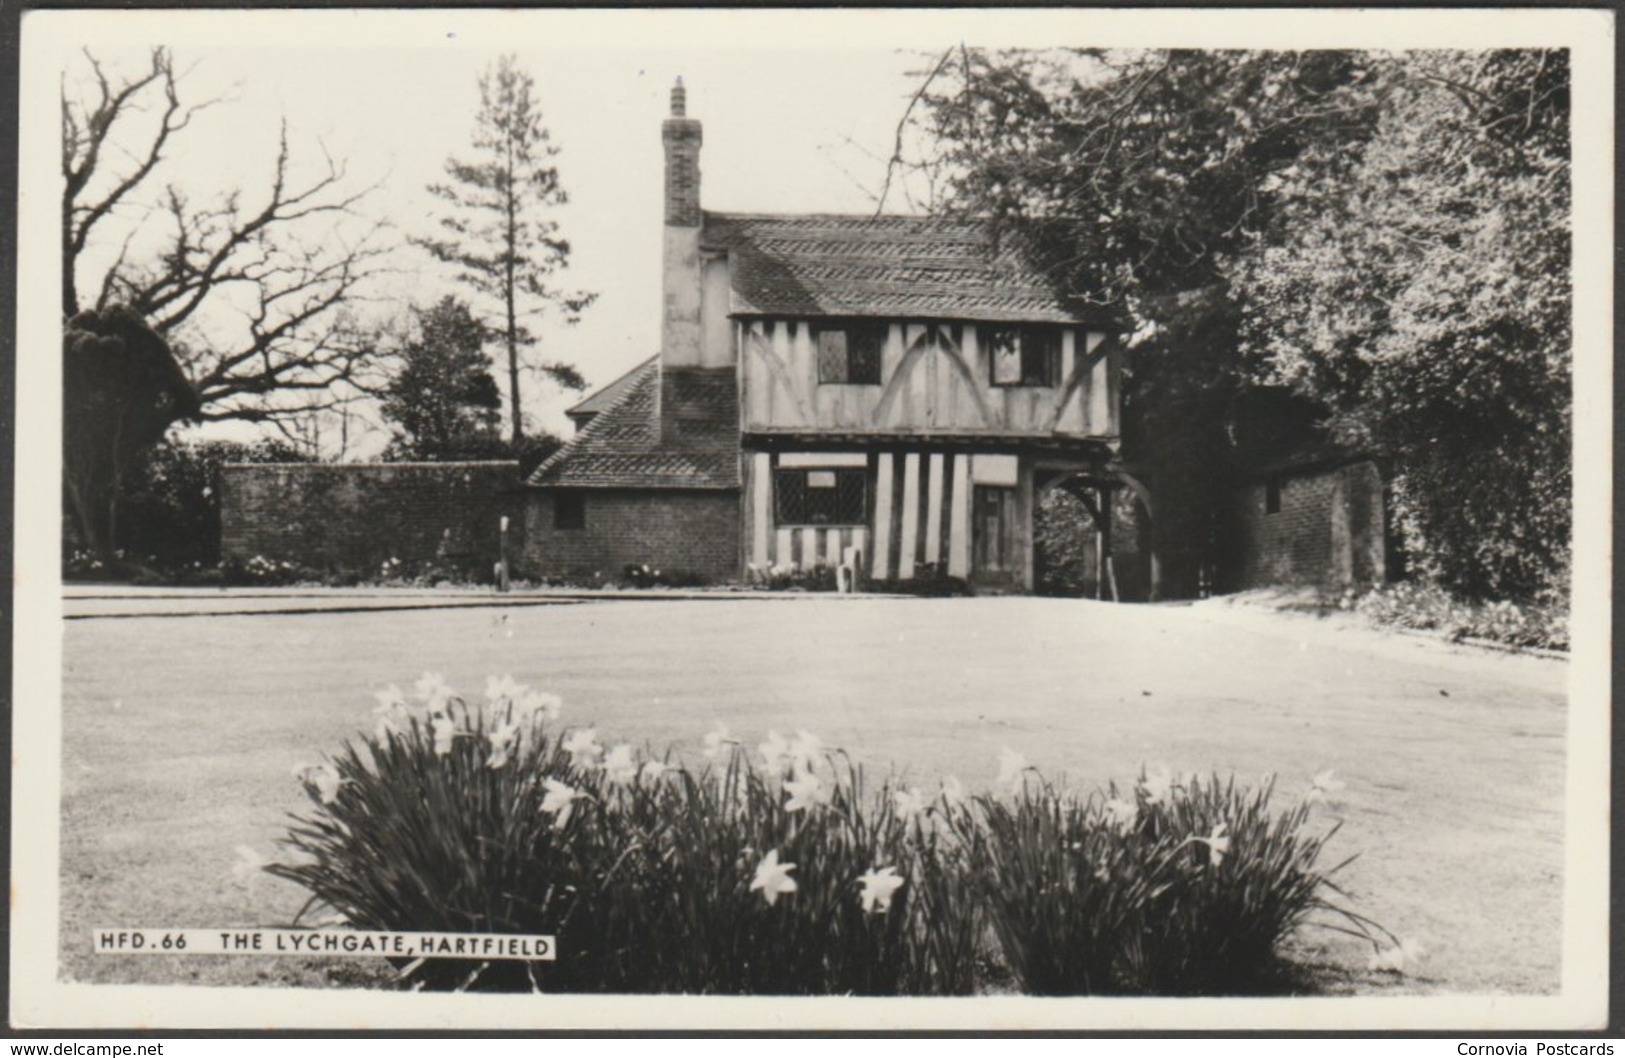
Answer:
(603, 398)
(622, 446)
(912, 267)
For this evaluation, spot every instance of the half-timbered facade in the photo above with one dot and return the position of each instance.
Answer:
(898, 389)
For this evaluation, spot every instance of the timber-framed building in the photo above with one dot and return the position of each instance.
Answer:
(894, 389)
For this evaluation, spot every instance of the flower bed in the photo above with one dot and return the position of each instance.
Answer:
(783, 869)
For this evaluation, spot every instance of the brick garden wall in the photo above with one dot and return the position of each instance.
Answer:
(354, 517)
(1329, 530)
(677, 532)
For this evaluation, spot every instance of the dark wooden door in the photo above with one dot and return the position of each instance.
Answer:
(993, 525)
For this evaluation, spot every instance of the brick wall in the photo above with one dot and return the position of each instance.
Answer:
(356, 516)
(677, 532)
(1328, 530)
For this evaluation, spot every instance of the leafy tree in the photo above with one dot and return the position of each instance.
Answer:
(248, 289)
(443, 402)
(1419, 289)
(498, 230)
(121, 391)
(1387, 235)
(1131, 177)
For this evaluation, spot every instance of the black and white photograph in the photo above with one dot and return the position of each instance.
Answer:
(776, 519)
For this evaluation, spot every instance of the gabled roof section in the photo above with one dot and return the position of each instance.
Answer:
(608, 395)
(892, 266)
(622, 446)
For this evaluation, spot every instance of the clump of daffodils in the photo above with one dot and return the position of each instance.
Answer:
(766, 862)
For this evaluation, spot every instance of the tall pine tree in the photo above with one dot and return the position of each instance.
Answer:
(499, 229)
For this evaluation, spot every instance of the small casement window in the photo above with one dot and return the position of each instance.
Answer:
(820, 497)
(850, 353)
(569, 511)
(1272, 495)
(1025, 356)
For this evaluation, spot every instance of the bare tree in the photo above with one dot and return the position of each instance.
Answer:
(248, 289)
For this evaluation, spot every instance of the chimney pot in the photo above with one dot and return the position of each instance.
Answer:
(679, 100)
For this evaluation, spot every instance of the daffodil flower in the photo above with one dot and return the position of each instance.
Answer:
(503, 738)
(1121, 814)
(1012, 769)
(1157, 786)
(558, 801)
(389, 699)
(908, 803)
(434, 690)
(1399, 958)
(1218, 843)
(775, 753)
(806, 790)
(390, 722)
(325, 778)
(1324, 787)
(654, 769)
(806, 750)
(620, 767)
(499, 687)
(717, 738)
(532, 704)
(583, 747)
(953, 792)
(773, 878)
(248, 866)
(878, 887)
(444, 729)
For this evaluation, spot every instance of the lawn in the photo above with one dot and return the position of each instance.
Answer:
(180, 736)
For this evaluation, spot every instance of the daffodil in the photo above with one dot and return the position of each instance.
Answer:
(1157, 786)
(773, 878)
(1121, 814)
(558, 801)
(654, 769)
(1218, 843)
(908, 803)
(1325, 787)
(503, 738)
(325, 778)
(1398, 958)
(953, 792)
(444, 729)
(583, 747)
(716, 739)
(878, 887)
(391, 721)
(389, 699)
(532, 704)
(806, 750)
(1012, 769)
(248, 866)
(499, 687)
(620, 767)
(775, 753)
(806, 790)
(434, 690)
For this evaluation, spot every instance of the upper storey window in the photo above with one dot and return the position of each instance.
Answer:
(850, 353)
(1025, 356)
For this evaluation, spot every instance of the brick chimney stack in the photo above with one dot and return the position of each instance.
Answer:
(681, 135)
(680, 330)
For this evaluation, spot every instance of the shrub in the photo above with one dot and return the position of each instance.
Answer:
(1183, 888)
(1542, 623)
(786, 871)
